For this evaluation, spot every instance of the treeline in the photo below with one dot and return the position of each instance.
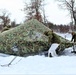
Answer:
(34, 9)
(61, 28)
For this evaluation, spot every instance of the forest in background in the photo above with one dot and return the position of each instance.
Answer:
(36, 9)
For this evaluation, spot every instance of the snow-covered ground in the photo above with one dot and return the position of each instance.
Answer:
(65, 35)
(40, 65)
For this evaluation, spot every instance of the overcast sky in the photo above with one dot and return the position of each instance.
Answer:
(53, 12)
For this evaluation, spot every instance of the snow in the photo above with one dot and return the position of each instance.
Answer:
(14, 48)
(40, 65)
(65, 35)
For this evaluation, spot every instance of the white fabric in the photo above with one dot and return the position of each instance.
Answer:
(52, 49)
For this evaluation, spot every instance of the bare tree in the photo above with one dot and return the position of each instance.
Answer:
(70, 5)
(4, 18)
(33, 9)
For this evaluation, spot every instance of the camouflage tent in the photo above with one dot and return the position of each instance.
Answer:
(28, 38)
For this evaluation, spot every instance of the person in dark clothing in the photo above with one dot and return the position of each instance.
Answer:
(74, 40)
(73, 36)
